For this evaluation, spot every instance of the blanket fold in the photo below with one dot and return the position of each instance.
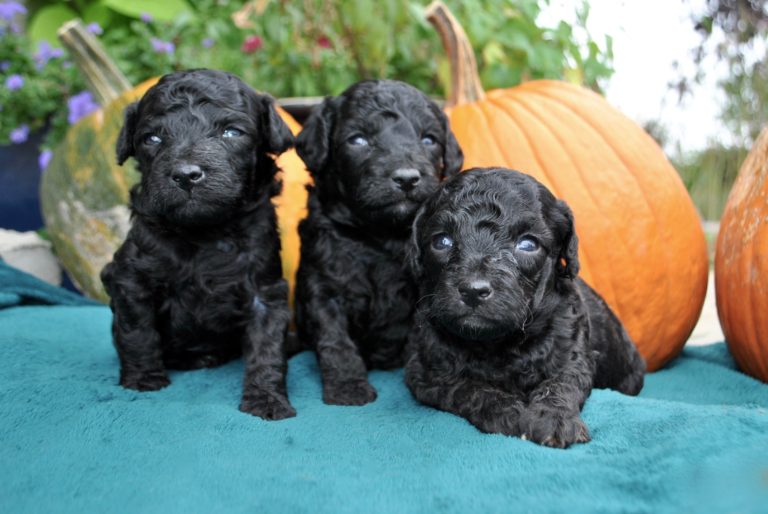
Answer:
(20, 288)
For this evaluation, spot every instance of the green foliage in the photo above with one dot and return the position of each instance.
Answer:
(397, 42)
(708, 175)
(303, 47)
(161, 10)
(44, 24)
(511, 46)
(42, 98)
(735, 32)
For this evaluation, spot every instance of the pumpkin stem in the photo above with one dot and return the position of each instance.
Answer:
(104, 79)
(465, 81)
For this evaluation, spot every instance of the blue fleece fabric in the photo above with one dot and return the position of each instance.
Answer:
(72, 440)
(19, 288)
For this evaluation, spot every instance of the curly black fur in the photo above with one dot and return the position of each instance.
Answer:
(198, 280)
(376, 153)
(505, 333)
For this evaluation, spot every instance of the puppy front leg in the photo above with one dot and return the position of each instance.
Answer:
(489, 409)
(138, 343)
(264, 390)
(552, 417)
(343, 371)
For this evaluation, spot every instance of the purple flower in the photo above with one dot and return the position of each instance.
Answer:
(45, 52)
(95, 29)
(19, 134)
(44, 159)
(80, 105)
(14, 82)
(208, 42)
(8, 10)
(162, 47)
(146, 17)
(5, 65)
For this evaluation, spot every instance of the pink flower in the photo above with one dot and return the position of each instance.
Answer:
(324, 42)
(251, 44)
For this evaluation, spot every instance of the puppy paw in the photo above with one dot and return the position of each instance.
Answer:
(268, 406)
(354, 392)
(152, 381)
(551, 427)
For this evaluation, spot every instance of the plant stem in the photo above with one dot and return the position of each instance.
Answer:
(104, 79)
(465, 81)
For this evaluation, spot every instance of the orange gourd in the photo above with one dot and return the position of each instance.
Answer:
(291, 205)
(741, 264)
(642, 246)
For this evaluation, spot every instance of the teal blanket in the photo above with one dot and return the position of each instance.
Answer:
(72, 440)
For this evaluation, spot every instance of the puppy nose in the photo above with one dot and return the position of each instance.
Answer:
(406, 178)
(475, 291)
(187, 175)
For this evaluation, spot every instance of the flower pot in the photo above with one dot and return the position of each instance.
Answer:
(19, 185)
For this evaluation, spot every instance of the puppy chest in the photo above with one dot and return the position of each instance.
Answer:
(506, 370)
(206, 293)
(380, 291)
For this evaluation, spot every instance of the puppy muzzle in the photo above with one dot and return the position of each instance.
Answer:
(186, 176)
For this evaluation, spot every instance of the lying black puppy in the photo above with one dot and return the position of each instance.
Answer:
(505, 334)
(376, 153)
(198, 280)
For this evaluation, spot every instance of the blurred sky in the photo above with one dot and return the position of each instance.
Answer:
(648, 36)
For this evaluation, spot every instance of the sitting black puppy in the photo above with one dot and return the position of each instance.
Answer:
(376, 153)
(505, 333)
(198, 280)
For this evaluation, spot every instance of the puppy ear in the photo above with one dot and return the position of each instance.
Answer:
(125, 146)
(568, 260)
(413, 251)
(314, 141)
(453, 157)
(277, 137)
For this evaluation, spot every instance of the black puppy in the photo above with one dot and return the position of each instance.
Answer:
(198, 280)
(505, 333)
(376, 153)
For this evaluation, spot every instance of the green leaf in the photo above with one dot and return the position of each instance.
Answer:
(493, 53)
(47, 21)
(160, 10)
(99, 13)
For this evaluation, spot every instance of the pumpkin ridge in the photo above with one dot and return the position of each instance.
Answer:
(752, 325)
(476, 107)
(545, 172)
(598, 132)
(746, 321)
(602, 136)
(550, 184)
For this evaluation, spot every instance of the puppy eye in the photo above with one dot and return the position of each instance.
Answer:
(428, 140)
(232, 132)
(152, 139)
(527, 244)
(442, 242)
(357, 140)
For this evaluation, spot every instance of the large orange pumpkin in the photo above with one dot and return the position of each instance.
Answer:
(641, 242)
(84, 195)
(741, 264)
